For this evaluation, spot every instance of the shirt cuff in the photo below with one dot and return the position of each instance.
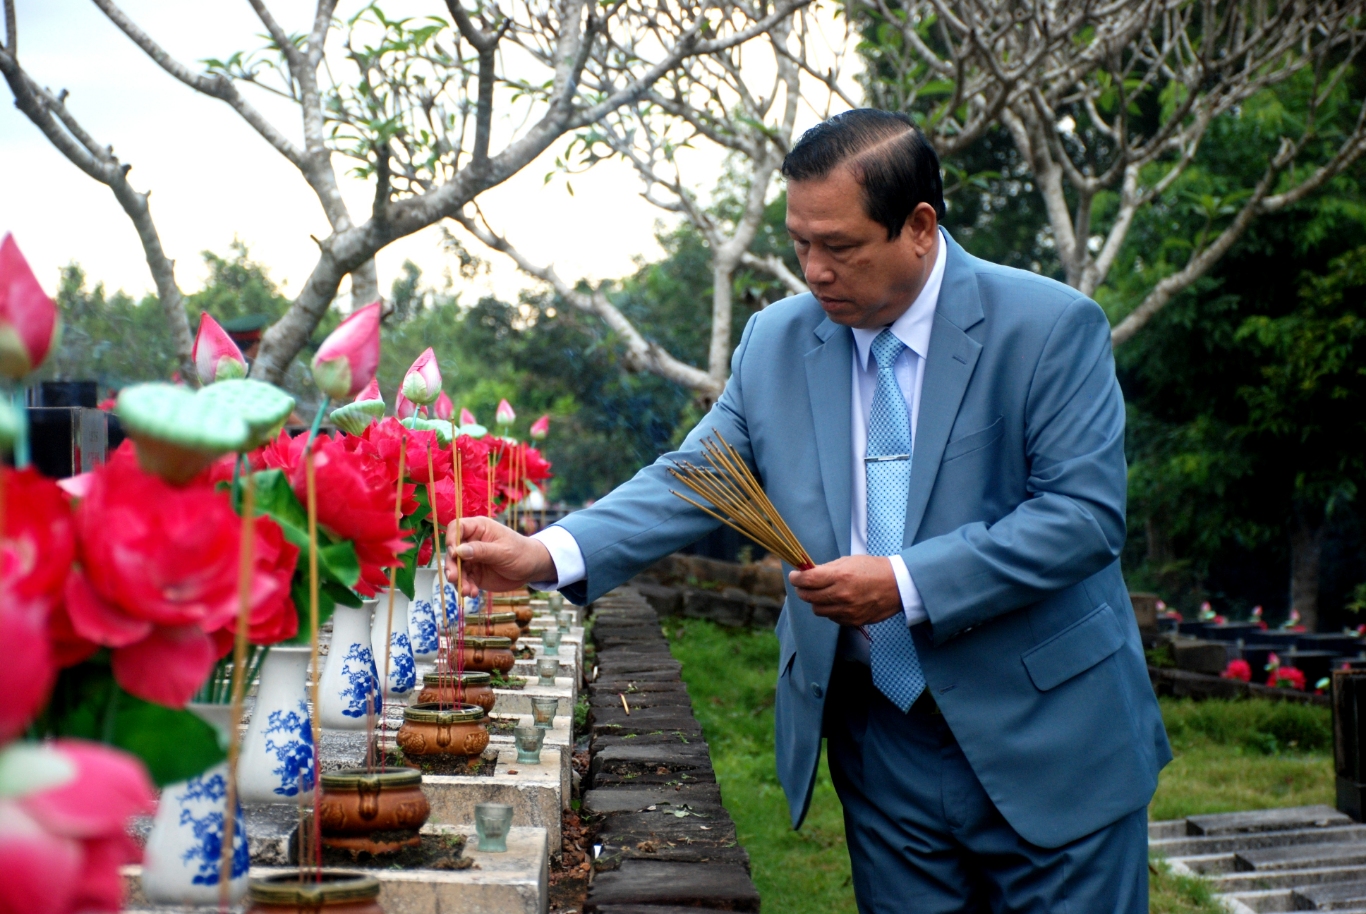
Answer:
(911, 604)
(568, 558)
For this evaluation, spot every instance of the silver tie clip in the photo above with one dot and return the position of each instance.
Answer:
(887, 458)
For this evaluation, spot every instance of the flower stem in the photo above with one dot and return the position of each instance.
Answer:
(317, 422)
(315, 846)
(22, 456)
(246, 563)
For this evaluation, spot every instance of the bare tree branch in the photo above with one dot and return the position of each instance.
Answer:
(641, 354)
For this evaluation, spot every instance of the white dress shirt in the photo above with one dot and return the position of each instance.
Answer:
(912, 328)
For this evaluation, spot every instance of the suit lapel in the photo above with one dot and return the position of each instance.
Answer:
(829, 380)
(948, 368)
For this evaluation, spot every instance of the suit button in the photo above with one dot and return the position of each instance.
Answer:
(817, 691)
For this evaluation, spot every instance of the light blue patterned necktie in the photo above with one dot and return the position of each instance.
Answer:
(896, 666)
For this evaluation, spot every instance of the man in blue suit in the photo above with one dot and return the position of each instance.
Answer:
(945, 436)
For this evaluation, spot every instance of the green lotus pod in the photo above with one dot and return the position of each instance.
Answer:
(419, 424)
(263, 407)
(9, 424)
(176, 436)
(353, 418)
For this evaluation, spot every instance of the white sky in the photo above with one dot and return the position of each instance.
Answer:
(213, 178)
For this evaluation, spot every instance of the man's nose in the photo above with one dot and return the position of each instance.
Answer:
(817, 269)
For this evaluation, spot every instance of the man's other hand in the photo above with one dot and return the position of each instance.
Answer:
(494, 557)
(855, 590)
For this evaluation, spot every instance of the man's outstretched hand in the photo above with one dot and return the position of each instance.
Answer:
(494, 557)
(855, 590)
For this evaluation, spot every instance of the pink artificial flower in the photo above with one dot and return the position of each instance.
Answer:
(1286, 677)
(347, 360)
(64, 812)
(467, 417)
(371, 392)
(216, 356)
(1238, 669)
(505, 414)
(444, 408)
(403, 407)
(422, 383)
(540, 428)
(29, 323)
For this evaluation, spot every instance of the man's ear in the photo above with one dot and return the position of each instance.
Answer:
(921, 225)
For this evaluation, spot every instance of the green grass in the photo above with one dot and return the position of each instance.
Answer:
(1229, 756)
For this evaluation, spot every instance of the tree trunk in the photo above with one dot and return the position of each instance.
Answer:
(1306, 553)
(718, 356)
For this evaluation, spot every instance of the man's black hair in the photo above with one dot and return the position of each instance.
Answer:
(888, 155)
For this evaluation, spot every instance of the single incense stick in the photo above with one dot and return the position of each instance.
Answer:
(315, 846)
(739, 501)
(393, 585)
(246, 560)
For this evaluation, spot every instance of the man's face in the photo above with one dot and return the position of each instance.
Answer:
(860, 278)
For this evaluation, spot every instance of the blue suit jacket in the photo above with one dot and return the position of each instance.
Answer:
(1014, 525)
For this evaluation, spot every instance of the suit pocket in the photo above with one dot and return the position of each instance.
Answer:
(1075, 649)
(973, 441)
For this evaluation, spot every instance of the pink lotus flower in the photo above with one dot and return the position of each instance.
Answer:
(216, 356)
(371, 392)
(505, 414)
(29, 323)
(64, 812)
(540, 428)
(422, 383)
(347, 360)
(403, 407)
(444, 408)
(467, 417)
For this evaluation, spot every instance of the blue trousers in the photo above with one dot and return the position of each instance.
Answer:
(924, 837)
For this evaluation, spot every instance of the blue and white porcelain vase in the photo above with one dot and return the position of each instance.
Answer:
(183, 858)
(443, 596)
(349, 689)
(276, 763)
(402, 670)
(422, 616)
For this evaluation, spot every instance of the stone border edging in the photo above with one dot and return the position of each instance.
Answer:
(664, 839)
(1183, 684)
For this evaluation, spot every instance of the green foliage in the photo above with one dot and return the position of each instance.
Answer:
(1169, 893)
(1268, 727)
(86, 703)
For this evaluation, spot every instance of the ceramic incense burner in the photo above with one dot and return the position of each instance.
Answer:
(430, 728)
(520, 606)
(376, 811)
(475, 688)
(338, 892)
(487, 654)
(500, 625)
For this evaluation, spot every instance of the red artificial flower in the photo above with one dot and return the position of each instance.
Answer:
(355, 499)
(64, 837)
(29, 322)
(383, 439)
(535, 467)
(35, 558)
(157, 573)
(1286, 677)
(1238, 669)
(424, 552)
(474, 475)
(371, 392)
(274, 617)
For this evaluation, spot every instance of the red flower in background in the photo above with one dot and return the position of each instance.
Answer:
(536, 467)
(157, 573)
(28, 318)
(1238, 669)
(1286, 677)
(382, 439)
(63, 839)
(517, 465)
(273, 617)
(474, 474)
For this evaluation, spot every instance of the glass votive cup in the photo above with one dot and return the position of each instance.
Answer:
(546, 668)
(492, 822)
(543, 711)
(556, 601)
(529, 741)
(566, 620)
(550, 640)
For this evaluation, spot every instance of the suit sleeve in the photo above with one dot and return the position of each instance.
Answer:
(1072, 524)
(641, 521)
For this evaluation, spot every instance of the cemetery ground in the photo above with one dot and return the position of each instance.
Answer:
(1229, 756)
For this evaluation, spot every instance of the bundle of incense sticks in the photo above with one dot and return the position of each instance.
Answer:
(739, 501)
